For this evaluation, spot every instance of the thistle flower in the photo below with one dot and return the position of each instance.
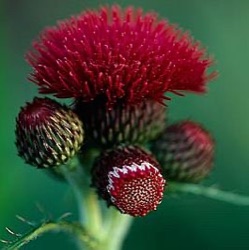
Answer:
(123, 124)
(185, 151)
(121, 54)
(47, 133)
(130, 179)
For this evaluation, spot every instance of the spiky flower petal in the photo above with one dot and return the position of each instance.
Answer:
(185, 151)
(123, 123)
(122, 54)
(47, 133)
(130, 179)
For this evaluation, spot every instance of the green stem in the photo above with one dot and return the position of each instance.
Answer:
(69, 227)
(210, 192)
(87, 201)
(117, 229)
(110, 232)
(91, 210)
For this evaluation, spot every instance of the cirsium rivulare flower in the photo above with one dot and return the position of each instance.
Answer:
(47, 133)
(130, 179)
(120, 53)
(123, 124)
(185, 151)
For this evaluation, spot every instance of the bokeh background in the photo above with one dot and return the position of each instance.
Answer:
(184, 222)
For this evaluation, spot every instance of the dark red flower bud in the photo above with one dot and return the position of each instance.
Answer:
(185, 151)
(122, 54)
(123, 123)
(130, 179)
(47, 133)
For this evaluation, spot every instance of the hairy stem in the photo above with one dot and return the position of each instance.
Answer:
(210, 192)
(70, 227)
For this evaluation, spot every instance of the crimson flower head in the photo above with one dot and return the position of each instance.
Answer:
(130, 179)
(120, 54)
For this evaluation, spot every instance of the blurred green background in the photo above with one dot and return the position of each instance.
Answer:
(184, 222)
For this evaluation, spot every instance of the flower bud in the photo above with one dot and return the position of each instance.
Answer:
(122, 123)
(130, 179)
(185, 151)
(47, 133)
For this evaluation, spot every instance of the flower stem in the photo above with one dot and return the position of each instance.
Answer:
(92, 218)
(63, 226)
(108, 229)
(210, 192)
(109, 232)
(118, 227)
